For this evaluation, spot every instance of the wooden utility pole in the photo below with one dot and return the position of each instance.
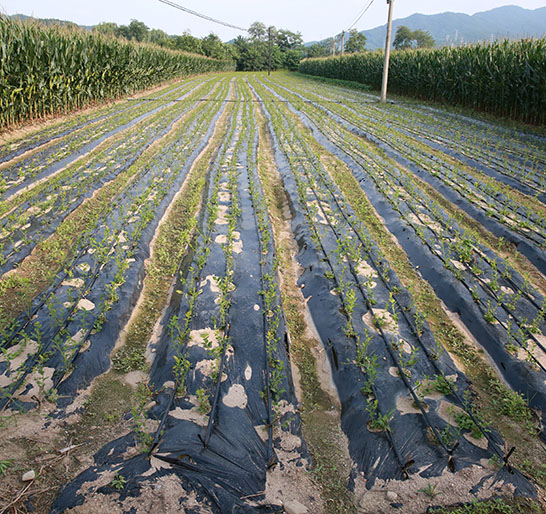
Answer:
(387, 55)
(342, 42)
(269, 55)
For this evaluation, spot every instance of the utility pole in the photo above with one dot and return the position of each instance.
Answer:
(387, 55)
(269, 55)
(342, 42)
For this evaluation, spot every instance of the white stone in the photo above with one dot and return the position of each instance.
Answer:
(392, 496)
(294, 507)
(86, 305)
(29, 475)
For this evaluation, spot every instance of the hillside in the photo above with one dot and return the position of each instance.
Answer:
(509, 21)
(49, 21)
(449, 27)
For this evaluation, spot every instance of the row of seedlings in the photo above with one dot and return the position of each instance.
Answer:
(57, 255)
(222, 450)
(69, 322)
(486, 195)
(391, 346)
(43, 165)
(491, 203)
(37, 213)
(519, 161)
(62, 151)
(34, 140)
(524, 146)
(502, 309)
(229, 406)
(491, 147)
(278, 392)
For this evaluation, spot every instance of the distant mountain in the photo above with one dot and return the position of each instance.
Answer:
(447, 28)
(49, 21)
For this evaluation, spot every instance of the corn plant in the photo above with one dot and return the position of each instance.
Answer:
(47, 70)
(506, 78)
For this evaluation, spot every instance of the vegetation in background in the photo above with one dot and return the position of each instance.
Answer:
(252, 52)
(506, 78)
(405, 38)
(356, 42)
(211, 45)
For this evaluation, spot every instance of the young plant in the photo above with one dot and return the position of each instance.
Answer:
(203, 400)
(430, 490)
(118, 482)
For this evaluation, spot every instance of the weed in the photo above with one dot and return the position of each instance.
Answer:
(5, 465)
(430, 490)
(497, 506)
(129, 359)
(118, 482)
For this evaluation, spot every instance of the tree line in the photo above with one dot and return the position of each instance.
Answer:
(211, 45)
(251, 53)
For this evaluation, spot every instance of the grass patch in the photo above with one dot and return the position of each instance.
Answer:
(496, 506)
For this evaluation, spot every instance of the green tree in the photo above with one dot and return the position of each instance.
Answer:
(287, 40)
(250, 55)
(123, 31)
(213, 47)
(403, 38)
(258, 31)
(159, 37)
(187, 43)
(356, 42)
(317, 50)
(138, 30)
(291, 59)
(423, 39)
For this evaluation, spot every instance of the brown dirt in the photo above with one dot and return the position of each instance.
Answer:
(446, 489)
(164, 495)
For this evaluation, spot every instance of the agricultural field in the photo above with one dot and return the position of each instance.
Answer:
(253, 293)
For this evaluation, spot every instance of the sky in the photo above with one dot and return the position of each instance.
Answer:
(315, 19)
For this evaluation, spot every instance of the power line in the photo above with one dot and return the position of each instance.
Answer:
(204, 16)
(359, 16)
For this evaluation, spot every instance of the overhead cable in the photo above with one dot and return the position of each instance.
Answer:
(204, 16)
(359, 16)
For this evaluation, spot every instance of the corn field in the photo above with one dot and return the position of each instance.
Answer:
(506, 78)
(46, 70)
